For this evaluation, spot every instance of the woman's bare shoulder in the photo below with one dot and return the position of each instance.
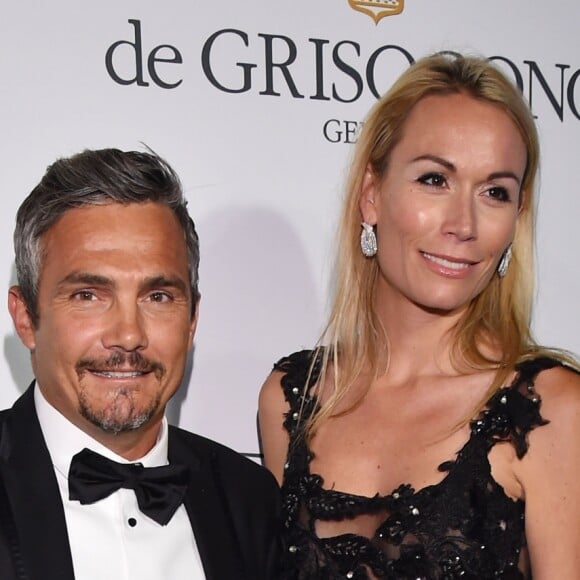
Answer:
(272, 393)
(549, 473)
(274, 439)
(559, 390)
(558, 440)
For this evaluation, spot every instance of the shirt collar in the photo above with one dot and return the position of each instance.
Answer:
(64, 440)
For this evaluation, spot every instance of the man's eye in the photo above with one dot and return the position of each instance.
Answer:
(433, 178)
(84, 295)
(159, 297)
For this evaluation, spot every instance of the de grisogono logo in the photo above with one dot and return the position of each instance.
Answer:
(378, 9)
(342, 70)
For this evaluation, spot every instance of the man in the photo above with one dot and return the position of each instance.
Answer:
(94, 485)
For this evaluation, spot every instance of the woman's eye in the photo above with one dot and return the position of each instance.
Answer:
(434, 179)
(498, 193)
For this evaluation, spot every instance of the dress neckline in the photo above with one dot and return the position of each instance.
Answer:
(447, 466)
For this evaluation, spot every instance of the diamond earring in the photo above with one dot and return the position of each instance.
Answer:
(368, 240)
(504, 263)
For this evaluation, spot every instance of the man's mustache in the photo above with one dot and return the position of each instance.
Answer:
(127, 361)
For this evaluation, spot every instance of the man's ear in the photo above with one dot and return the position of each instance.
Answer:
(21, 317)
(193, 324)
(370, 197)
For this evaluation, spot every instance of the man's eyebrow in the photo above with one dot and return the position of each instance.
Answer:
(159, 281)
(448, 165)
(162, 281)
(86, 278)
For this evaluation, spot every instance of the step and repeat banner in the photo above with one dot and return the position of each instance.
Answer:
(257, 105)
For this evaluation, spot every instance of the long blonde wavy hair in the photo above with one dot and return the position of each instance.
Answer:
(355, 340)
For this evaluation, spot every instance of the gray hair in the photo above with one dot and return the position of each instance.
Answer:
(96, 177)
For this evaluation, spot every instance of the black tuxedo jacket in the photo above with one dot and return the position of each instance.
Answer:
(232, 504)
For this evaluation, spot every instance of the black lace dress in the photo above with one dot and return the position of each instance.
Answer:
(463, 527)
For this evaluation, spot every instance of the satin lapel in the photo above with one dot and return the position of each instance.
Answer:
(209, 513)
(33, 493)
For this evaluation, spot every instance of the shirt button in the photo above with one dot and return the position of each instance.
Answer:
(132, 522)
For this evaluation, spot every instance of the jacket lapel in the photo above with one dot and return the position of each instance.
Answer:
(33, 494)
(208, 511)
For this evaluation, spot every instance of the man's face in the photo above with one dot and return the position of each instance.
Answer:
(115, 320)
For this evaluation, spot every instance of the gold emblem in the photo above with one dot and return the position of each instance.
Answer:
(378, 9)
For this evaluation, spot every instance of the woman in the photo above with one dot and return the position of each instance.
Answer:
(432, 437)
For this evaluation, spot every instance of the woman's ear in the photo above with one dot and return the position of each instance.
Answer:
(522, 200)
(370, 198)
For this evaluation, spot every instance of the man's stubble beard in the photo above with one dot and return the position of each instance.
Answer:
(121, 414)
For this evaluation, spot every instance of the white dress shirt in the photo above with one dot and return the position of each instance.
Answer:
(111, 539)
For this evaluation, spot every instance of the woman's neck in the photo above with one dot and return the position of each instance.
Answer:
(419, 340)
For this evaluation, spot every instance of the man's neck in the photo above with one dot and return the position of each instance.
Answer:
(129, 445)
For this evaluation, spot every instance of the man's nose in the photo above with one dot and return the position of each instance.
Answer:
(125, 328)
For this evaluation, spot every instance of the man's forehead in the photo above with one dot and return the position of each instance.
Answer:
(129, 218)
(125, 235)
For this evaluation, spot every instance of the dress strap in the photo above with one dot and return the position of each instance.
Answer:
(301, 371)
(513, 411)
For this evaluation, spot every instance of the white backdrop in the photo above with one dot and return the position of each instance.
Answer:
(248, 138)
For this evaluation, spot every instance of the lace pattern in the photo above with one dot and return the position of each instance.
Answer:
(463, 527)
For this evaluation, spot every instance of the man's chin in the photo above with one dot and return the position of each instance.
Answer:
(121, 413)
(116, 426)
(116, 421)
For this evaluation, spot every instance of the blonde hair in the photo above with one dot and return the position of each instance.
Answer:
(501, 314)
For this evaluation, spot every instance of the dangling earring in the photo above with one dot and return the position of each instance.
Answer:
(504, 263)
(368, 240)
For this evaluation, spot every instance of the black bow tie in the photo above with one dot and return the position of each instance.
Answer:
(159, 490)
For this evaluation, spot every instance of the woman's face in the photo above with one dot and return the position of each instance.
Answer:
(447, 206)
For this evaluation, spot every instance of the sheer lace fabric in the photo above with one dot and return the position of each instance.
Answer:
(463, 527)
